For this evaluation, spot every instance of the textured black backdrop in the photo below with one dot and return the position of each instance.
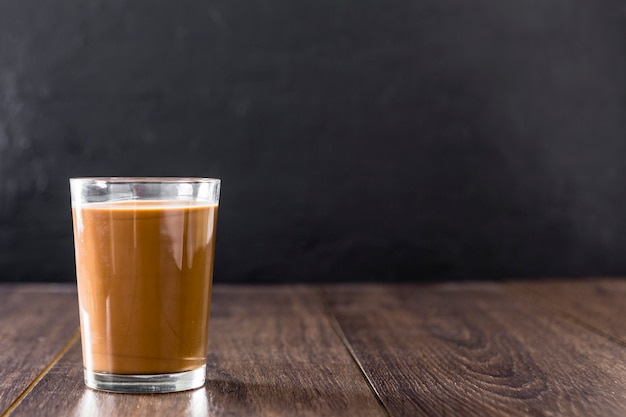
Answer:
(356, 139)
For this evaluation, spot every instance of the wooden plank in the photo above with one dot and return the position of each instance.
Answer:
(62, 393)
(599, 303)
(476, 350)
(36, 321)
(272, 350)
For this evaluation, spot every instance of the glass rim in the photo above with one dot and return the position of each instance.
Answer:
(130, 180)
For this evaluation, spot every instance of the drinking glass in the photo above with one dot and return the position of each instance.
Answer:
(144, 267)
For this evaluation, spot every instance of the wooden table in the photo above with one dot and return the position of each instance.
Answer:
(549, 348)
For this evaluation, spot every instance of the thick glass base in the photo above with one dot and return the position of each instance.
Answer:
(180, 381)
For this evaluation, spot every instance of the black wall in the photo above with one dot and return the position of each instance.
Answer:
(356, 139)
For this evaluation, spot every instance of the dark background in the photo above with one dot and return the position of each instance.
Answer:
(356, 139)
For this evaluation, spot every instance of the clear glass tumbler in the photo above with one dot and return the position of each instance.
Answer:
(144, 266)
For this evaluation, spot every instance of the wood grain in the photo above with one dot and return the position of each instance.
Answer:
(477, 350)
(62, 393)
(599, 303)
(272, 350)
(36, 322)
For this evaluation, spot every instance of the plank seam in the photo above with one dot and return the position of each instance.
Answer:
(334, 323)
(40, 376)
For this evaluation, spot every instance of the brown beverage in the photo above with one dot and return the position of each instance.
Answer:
(144, 283)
